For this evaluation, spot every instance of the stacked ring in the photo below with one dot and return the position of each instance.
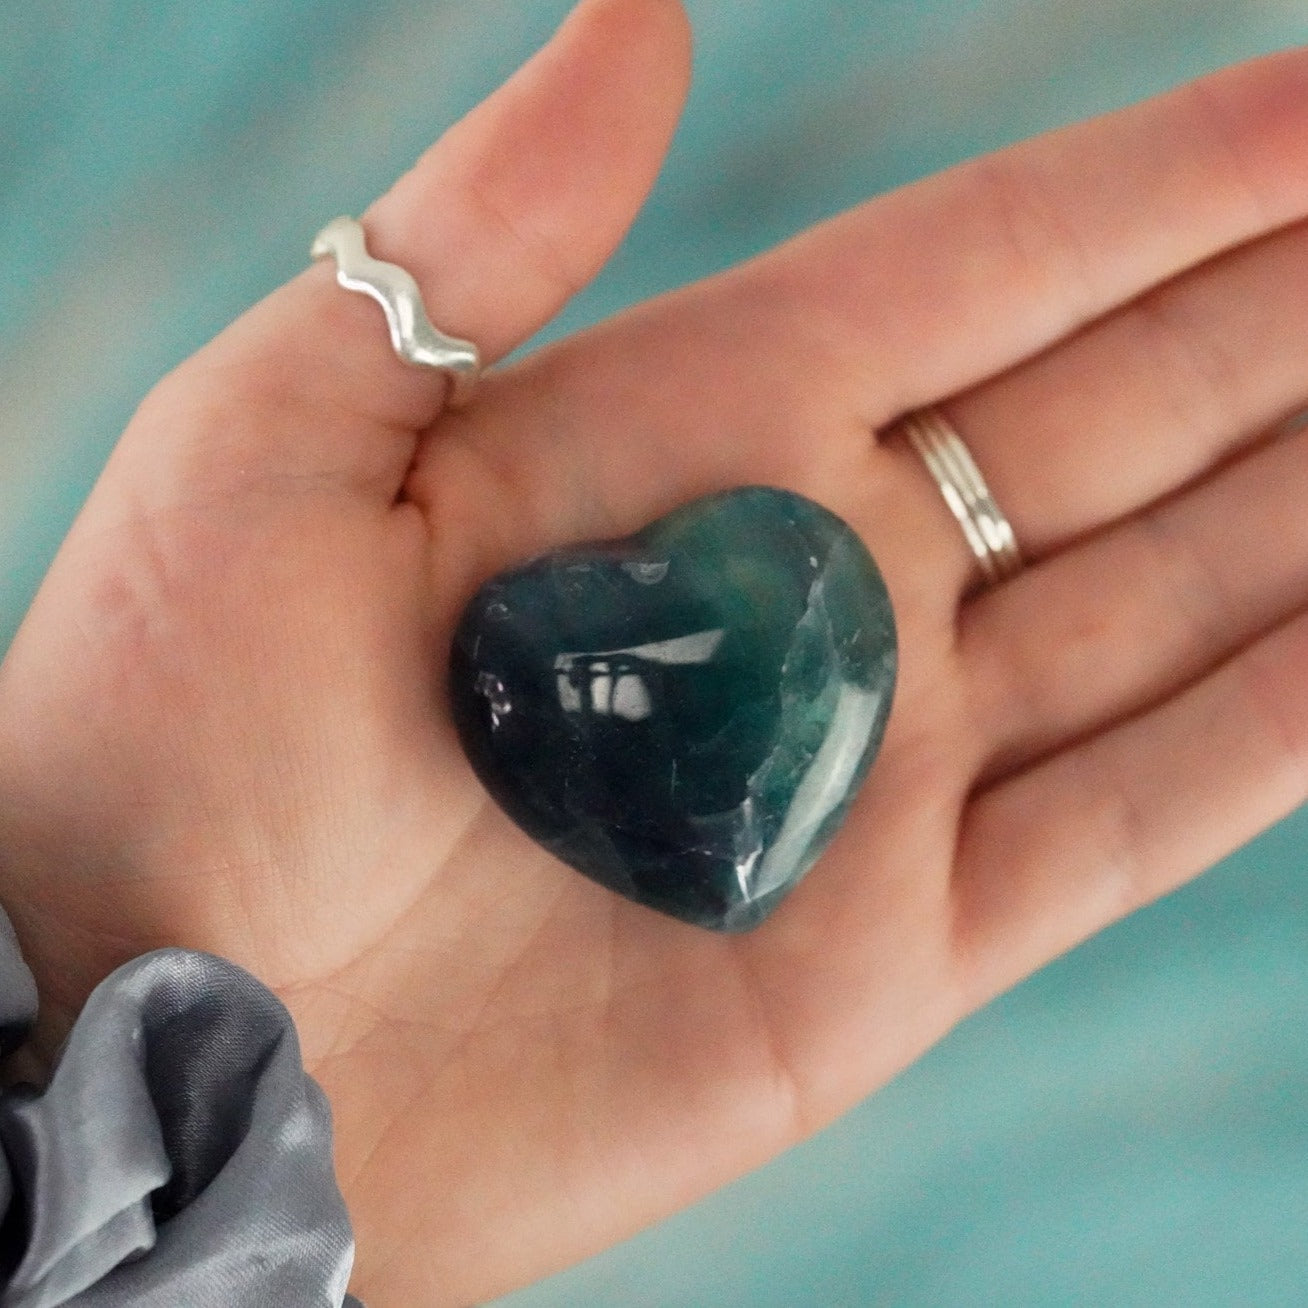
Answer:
(989, 533)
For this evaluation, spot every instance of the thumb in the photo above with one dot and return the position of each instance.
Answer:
(511, 212)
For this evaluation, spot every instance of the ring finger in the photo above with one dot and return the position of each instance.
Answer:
(1134, 614)
(1148, 398)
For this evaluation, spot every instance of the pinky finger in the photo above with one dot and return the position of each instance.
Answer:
(1054, 854)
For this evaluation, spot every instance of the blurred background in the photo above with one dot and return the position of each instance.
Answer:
(1128, 1127)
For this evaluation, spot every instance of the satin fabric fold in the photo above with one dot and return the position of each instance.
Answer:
(180, 1154)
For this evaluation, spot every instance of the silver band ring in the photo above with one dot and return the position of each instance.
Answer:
(415, 340)
(989, 533)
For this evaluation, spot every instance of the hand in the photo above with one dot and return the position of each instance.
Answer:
(222, 724)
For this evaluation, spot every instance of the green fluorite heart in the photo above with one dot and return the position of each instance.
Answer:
(683, 715)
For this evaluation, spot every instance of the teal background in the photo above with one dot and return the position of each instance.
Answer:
(1128, 1127)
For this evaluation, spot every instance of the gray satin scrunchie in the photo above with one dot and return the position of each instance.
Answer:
(180, 1154)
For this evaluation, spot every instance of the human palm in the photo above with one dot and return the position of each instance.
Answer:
(223, 726)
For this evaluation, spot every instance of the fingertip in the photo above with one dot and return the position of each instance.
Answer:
(659, 28)
(629, 69)
(509, 213)
(603, 96)
(542, 179)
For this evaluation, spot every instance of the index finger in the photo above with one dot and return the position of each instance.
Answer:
(966, 273)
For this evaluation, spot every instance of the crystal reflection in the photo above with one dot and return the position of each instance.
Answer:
(824, 787)
(612, 682)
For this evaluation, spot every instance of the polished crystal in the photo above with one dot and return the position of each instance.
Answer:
(685, 714)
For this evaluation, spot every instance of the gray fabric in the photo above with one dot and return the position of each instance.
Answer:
(180, 1154)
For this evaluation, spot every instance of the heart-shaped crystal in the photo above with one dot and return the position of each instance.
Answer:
(683, 715)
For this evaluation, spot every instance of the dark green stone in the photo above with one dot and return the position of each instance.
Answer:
(683, 715)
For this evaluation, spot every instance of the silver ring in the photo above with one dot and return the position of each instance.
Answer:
(415, 340)
(989, 533)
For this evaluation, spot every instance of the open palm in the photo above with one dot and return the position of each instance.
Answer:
(222, 724)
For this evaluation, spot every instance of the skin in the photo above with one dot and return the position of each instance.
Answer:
(222, 725)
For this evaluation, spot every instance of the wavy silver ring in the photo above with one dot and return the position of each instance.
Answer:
(415, 340)
(989, 533)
